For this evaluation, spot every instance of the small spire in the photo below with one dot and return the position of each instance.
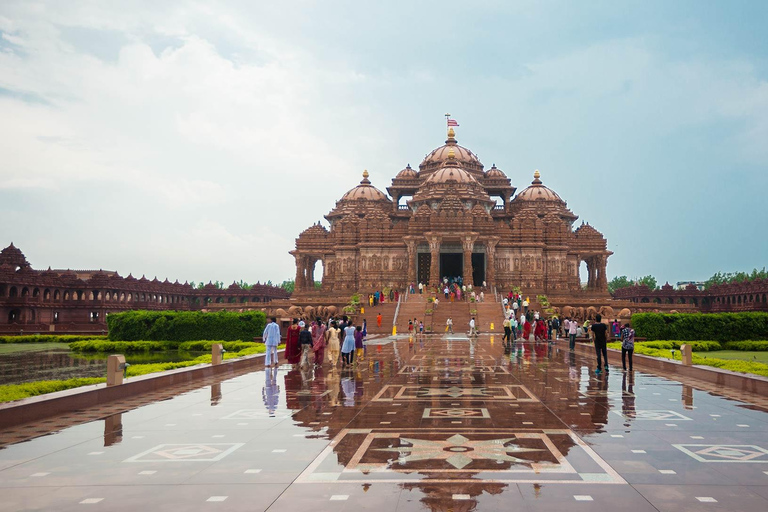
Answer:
(451, 133)
(451, 154)
(365, 181)
(536, 176)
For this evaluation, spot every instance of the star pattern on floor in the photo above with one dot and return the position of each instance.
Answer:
(459, 451)
(453, 392)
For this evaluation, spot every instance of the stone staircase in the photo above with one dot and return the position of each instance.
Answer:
(489, 312)
(387, 311)
(459, 311)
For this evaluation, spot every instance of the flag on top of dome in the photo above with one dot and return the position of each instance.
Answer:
(452, 122)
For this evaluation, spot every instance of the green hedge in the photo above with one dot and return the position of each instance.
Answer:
(697, 346)
(746, 345)
(125, 347)
(11, 392)
(185, 325)
(48, 338)
(726, 364)
(701, 326)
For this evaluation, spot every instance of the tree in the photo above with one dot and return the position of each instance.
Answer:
(288, 285)
(648, 281)
(619, 282)
(735, 277)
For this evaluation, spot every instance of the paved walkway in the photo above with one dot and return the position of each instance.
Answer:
(444, 424)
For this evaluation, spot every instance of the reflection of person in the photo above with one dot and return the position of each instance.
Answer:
(601, 343)
(271, 336)
(332, 385)
(271, 391)
(628, 395)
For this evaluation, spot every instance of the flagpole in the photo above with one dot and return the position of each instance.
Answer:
(447, 116)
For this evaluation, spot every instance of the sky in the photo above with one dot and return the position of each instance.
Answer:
(195, 140)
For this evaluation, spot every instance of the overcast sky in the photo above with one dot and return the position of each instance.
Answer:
(195, 140)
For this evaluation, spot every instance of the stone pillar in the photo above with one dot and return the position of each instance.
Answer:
(603, 281)
(411, 273)
(490, 270)
(115, 368)
(467, 244)
(299, 281)
(434, 265)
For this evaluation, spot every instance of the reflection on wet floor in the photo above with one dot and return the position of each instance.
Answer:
(433, 424)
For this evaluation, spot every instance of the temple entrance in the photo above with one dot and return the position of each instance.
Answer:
(451, 265)
(424, 263)
(478, 268)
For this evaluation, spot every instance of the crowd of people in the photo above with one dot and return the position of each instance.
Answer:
(308, 344)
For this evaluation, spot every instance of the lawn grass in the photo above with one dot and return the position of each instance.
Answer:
(10, 348)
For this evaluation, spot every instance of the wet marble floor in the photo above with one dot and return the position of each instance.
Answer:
(440, 424)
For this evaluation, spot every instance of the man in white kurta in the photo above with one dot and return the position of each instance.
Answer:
(271, 338)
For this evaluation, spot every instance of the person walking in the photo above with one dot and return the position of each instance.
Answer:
(600, 330)
(507, 331)
(271, 337)
(305, 339)
(472, 327)
(525, 305)
(449, 325)
(348, 348)
(359, 336)
(332, 342)
(573, 328)
(627, 345)
(378, 320)
(292, 346)
(318, 341)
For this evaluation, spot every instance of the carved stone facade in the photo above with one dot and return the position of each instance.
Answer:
(452, 218)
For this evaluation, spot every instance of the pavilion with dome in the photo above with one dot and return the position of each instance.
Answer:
(451, 218)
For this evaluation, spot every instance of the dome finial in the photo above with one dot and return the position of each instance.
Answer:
(451, 133)
(365, 173)
(365, 180)
(536, 174)
(451, 154)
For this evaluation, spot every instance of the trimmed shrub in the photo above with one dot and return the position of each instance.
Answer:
(48, 338)
(697, 346)
(701, 326)
(185, 325)
(12, 392)
(124, 347)
(746, 345)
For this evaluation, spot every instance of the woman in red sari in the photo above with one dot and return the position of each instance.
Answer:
(526, 330)
(541, 330)
(292, 347)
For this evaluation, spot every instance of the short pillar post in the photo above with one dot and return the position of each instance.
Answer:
(115, 368)
(687, 354)
(217, 353)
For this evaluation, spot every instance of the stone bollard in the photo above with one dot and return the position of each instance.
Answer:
(217, 353)
(686, 355)
(115, 368)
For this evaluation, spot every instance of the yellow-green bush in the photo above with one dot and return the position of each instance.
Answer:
(48, 338)
(10, 392)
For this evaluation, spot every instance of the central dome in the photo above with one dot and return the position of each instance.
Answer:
(466, 158)
(445, 174)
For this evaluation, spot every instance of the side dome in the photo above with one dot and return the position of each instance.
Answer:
(495, 172)
(365, 191)
(466, 158)
(408, 173)
(538, 192)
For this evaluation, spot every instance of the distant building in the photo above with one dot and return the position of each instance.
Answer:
(682, 285)
(77, 301)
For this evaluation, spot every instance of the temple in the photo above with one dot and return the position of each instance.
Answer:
(452, 218)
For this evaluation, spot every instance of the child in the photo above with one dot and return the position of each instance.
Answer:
(359, 343)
